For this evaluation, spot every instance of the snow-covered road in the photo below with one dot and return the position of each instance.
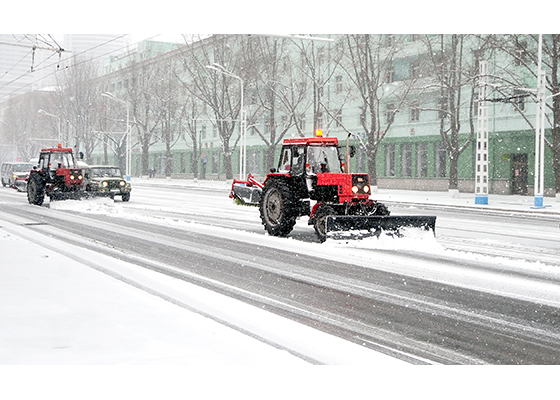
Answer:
(207, 212)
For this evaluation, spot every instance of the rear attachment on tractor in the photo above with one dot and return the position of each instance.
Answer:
(246, 192)
(341, 227)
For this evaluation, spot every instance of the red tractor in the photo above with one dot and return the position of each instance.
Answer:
(56, 176)
(311, 170)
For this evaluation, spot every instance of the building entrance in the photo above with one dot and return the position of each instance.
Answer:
(519, 174)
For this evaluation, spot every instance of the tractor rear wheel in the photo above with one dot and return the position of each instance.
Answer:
(278, 208)
(35, 189)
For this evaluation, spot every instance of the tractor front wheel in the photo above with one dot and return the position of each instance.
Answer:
(320, 221)
(278, 209)
(35, 189)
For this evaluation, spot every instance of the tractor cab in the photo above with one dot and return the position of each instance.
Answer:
(52, 160)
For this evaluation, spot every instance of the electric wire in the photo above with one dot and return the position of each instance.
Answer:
(68, 66)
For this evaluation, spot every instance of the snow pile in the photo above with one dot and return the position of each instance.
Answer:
(410, 239)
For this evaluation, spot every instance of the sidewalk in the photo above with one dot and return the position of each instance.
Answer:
(513, 203)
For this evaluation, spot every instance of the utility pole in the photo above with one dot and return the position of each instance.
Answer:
(539, 132)
(481, 171)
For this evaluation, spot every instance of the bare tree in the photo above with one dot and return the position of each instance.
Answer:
(24, 131)
(143, 81)
(221, 92)
(169, 93)
(453, 79)
(274, 93)
(368, 62)
(191, 120)
(318, 65)
(79, 104)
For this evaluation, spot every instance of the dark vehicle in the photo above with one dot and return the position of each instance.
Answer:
(56, 176)
(106, 180)
(311, 169)
(15, 174)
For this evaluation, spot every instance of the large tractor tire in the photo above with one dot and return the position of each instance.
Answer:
(278, 208)
(35, 189)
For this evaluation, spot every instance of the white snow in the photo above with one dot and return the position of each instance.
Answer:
(60, 309)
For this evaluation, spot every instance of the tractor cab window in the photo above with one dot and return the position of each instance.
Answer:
(61, 160)
(323, 159)
(285, 160)
(44, 161)
(298, 160)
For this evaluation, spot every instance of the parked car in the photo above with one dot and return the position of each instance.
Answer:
(15, 174)
(106, 180)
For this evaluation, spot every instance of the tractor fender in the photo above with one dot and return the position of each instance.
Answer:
(313, 211)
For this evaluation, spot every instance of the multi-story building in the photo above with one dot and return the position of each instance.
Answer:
(413, 103)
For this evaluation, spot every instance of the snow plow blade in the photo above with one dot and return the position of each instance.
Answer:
(359, 226)
(246, 192)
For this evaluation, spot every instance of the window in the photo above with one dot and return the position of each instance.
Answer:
(183, 163)
(285, 161)
(414, 112)
(338, 118)
(390, 75)
(321, 56)
(323, 159)
(406, 151)
(267, 126)
(253, 161)
(520, 53)
(390, 113)
(422, 160)
(338, 84)
(320, 120)
(441, 160)
(518, 100)
(301, 122)
(415, 70)
(390, 160)
(215, 162)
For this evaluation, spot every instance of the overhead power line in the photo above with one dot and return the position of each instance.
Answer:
(58, 50)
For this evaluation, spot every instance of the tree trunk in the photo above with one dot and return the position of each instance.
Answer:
(453, 171)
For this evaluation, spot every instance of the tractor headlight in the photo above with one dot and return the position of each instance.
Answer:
(72, 177)
(355, 189)
(104, 184)
(366, 188)
(122, 183)
(80, 177)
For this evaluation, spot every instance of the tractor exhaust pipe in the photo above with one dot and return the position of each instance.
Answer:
(347, 160)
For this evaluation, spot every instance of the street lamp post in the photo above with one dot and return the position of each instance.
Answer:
(54, 116)
(243, 141)
(127, 133)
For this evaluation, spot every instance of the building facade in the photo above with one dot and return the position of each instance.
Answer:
(420, 118)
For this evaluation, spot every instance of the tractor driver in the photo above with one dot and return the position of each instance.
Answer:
(57, 161)
(318, 160)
